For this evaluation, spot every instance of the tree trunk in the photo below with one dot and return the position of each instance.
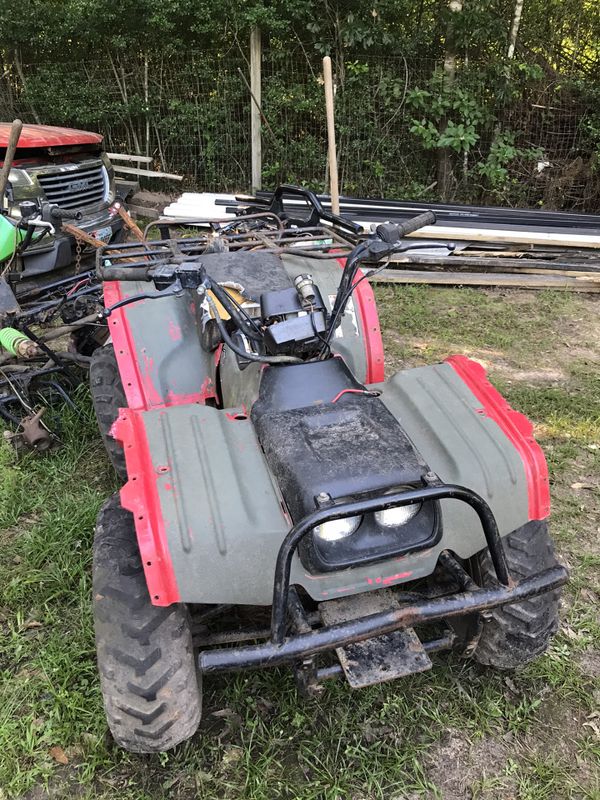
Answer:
(445, 174)
(21, 74)
(514, 28)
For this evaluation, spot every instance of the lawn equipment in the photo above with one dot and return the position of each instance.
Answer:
(49, 294)
(49, 326)
(282, 502)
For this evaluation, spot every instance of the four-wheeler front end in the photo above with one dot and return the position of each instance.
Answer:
(284, 503)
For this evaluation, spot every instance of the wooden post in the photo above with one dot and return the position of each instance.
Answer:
(13, 139)
(255, 108)
(331, 151)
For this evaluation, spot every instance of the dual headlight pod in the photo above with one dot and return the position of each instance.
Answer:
(394, 517)
(358, 540)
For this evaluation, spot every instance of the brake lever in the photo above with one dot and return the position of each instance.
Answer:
(376, 249)
(403, 247)
(173, 290)
(38, 222)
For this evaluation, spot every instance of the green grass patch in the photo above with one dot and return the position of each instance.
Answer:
(519, 325)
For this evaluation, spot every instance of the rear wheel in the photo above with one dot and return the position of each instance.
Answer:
(148, 676)
(108, 396)
(518, 633)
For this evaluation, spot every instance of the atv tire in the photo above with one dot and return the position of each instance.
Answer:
(148, 676)
(518, 633)
(108, 396)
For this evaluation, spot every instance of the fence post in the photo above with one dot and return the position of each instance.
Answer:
(255, 108)
(331, 149)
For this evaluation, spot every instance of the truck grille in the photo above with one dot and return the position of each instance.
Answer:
(76, 188)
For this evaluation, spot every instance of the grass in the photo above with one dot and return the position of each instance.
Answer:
(457, 731)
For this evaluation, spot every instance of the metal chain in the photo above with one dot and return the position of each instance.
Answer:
(77, 255)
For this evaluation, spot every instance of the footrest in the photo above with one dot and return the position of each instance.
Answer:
(382, 658)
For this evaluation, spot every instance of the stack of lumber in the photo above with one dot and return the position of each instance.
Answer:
(526, 266)
(470, 245)
(493, 246)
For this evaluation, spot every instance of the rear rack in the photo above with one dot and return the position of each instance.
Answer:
(249, 233)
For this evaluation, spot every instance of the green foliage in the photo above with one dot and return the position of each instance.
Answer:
(398, 114)
(502, 153)
(451, 114)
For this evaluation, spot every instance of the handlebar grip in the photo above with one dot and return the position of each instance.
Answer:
(122, 273)
(391, 233)
(63, 213)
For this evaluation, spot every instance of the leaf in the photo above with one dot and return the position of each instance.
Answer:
(593, 726)
(59, 755)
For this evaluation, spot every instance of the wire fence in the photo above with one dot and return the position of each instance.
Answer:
(529, 139)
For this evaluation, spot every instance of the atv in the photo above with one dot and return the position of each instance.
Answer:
(282, 502)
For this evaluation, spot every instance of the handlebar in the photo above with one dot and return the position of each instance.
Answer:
(391, 233)
(172, 279)
(316, 212)
(377, 247)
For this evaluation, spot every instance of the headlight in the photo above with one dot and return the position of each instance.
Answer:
(18, 177)
(337, 529)
(400, 515)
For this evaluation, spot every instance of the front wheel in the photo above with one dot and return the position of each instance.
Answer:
(516, 634)
(150, 686)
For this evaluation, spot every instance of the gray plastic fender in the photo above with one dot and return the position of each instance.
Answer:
(210, 520)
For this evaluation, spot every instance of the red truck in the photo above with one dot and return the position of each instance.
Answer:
(67, 168)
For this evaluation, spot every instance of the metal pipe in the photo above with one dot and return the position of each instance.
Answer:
(460, 214)
(445, 642)
(333, 671)
(231, 637)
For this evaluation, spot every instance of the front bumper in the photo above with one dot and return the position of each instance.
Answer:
(282, 649)
(271, 654)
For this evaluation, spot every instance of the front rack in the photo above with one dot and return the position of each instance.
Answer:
(471, 600)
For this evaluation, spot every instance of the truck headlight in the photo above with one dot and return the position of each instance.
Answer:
(18, 177)
(395, 517)
(337, 529)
